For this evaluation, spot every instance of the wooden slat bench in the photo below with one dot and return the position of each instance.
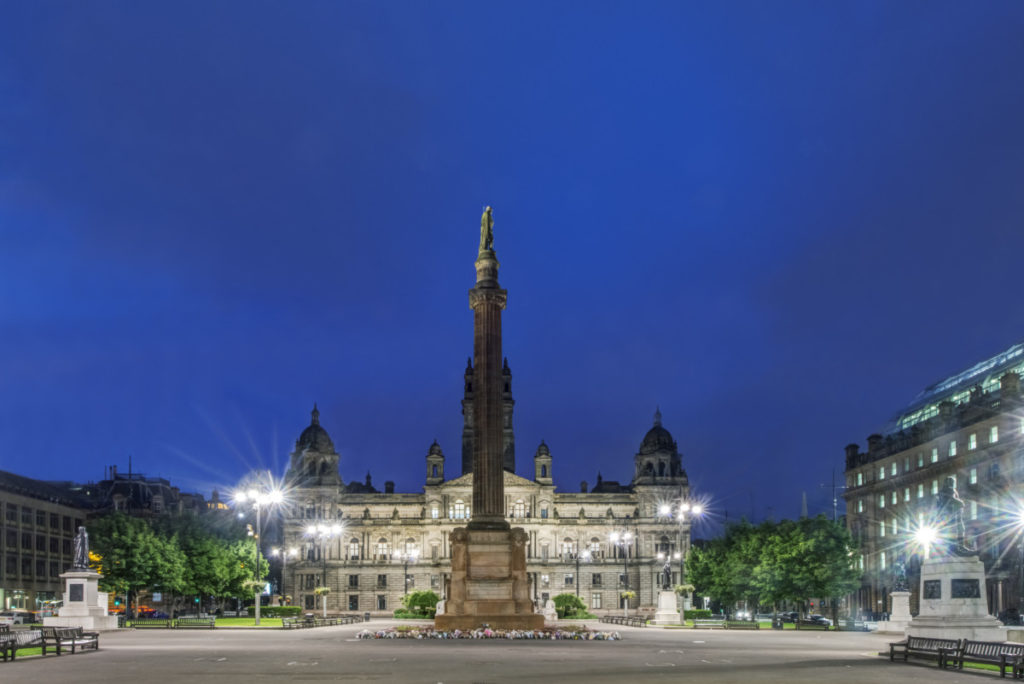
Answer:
(195, 622)
(708, 623)
(742, 624)
(940, 650)
(143, 623)
(12, 641)
(75, 638)
(1005, 655)
(807, 624)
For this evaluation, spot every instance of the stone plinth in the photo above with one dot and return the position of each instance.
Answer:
(953, 602)
(899, 617)
(488, 582)
(668, 612)
(84, 604)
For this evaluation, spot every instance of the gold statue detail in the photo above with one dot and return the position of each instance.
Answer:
(486, 231)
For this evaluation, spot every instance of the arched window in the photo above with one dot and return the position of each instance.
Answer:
(665, 546)
(433, 471)
(543, 471)
(649, 468)
(353, 549)
(661, 468)
(595, 546)
(568, 548)
(519, 509)
(382, 552)
(410, 546)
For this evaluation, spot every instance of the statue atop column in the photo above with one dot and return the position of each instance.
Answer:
(81, 559)
(487, 231)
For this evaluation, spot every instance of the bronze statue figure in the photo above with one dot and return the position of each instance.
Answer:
(951, 510)
(486, 231)
(81, 559)
(666, 575)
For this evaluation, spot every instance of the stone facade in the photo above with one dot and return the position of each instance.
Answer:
(970, 427)
(567, 533)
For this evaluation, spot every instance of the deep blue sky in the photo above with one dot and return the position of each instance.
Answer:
(776, 220)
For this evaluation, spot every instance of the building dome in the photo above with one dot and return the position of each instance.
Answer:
(657, 438)
(314, 437)
(435, 449)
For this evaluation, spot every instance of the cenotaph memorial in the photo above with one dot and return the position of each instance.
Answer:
(488, 582)
(953, 601)
(84, 604)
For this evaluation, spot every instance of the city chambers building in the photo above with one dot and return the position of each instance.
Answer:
(370, 547)
(968, 427)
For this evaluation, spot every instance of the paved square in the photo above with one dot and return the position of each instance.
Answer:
(332, 654)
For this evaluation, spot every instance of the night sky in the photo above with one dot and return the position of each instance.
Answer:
(778, 221)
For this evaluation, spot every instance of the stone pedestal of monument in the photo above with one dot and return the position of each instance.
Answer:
(488, 582)
(900, 616)
(84, 604)
(550, 613)
(953, 601)
(668, 611)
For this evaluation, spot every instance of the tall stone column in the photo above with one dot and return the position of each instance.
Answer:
(487, 300)
(488, 582)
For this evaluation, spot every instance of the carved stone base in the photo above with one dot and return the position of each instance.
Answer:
(668, 610)
(953, 603)
(488, 582)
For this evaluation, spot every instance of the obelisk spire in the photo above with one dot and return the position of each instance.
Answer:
(487, 300)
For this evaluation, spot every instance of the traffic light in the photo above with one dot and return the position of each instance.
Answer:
(117, 602)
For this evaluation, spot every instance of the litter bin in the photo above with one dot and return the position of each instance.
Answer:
(366, 616)
(777, 623)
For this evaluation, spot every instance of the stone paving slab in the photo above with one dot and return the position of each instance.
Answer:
(333, 654)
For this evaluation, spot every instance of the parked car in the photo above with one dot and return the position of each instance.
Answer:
(16, 617)
(742, 615)
(819, 620)
(788, 617)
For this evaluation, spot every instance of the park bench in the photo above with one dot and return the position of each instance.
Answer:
(12, 641)
(925, 647)
(349, 619)
(291, 623)
(61, 638)
(5, 628)
(989, 652)
(623, 620)
(191, 622)
(742, 624)
(144, 622)
(708, 623)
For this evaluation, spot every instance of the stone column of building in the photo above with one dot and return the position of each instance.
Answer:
(487, 300)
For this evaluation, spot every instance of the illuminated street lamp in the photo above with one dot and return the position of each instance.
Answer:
(586, 558)
(284, 555)
(410, 555)
(926, 536)
(622, 540)
(259, 496)
(323, 532)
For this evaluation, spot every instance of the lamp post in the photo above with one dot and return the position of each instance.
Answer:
(693, 510)
(284, 555)
(410, 555)
(322, 533)
(259, 496)
(622, 540)
(586, 557)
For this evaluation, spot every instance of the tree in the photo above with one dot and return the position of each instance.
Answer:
(133, 557)
(421, 602)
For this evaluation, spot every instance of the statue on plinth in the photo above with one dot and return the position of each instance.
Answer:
(81, 558)
(666, 576)
(900, 577)
(951, 511)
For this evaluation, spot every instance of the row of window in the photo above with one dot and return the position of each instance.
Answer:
(29, 516)
(894, 496)
(41, 543)
(11, 566)
(972, 443)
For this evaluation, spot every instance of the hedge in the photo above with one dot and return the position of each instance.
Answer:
(696, 614)
(276, 611)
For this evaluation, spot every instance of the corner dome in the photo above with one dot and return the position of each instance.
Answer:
(657, 438)
(314, 437)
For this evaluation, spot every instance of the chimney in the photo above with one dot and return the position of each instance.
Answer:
(389, 487)
(874, 442)
(1009, 384)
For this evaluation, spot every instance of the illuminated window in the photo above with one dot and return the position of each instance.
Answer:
(920, 460)
(881, 560)
(435, 512)
(459, 511)
(906, 464)
(993, 434)
(382, 549)
(935, 454)
(353, 549)
(860, 562)
(952, 448)
(881, 528)
(920, 491)
(860, 476)
(972, 443)
(519, 509)
(1022, 425)
(881, 473)
(894, 469)
(973, 479)
(906, 494)
(568, 548)
(974, 510)
(595, 600)
(893, 526)
(881, 500)
(895, 498)
(860, 505)
(935, 486)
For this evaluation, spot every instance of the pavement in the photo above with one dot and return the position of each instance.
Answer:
(333, 654)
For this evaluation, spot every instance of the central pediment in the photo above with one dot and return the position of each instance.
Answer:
(510, 480)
